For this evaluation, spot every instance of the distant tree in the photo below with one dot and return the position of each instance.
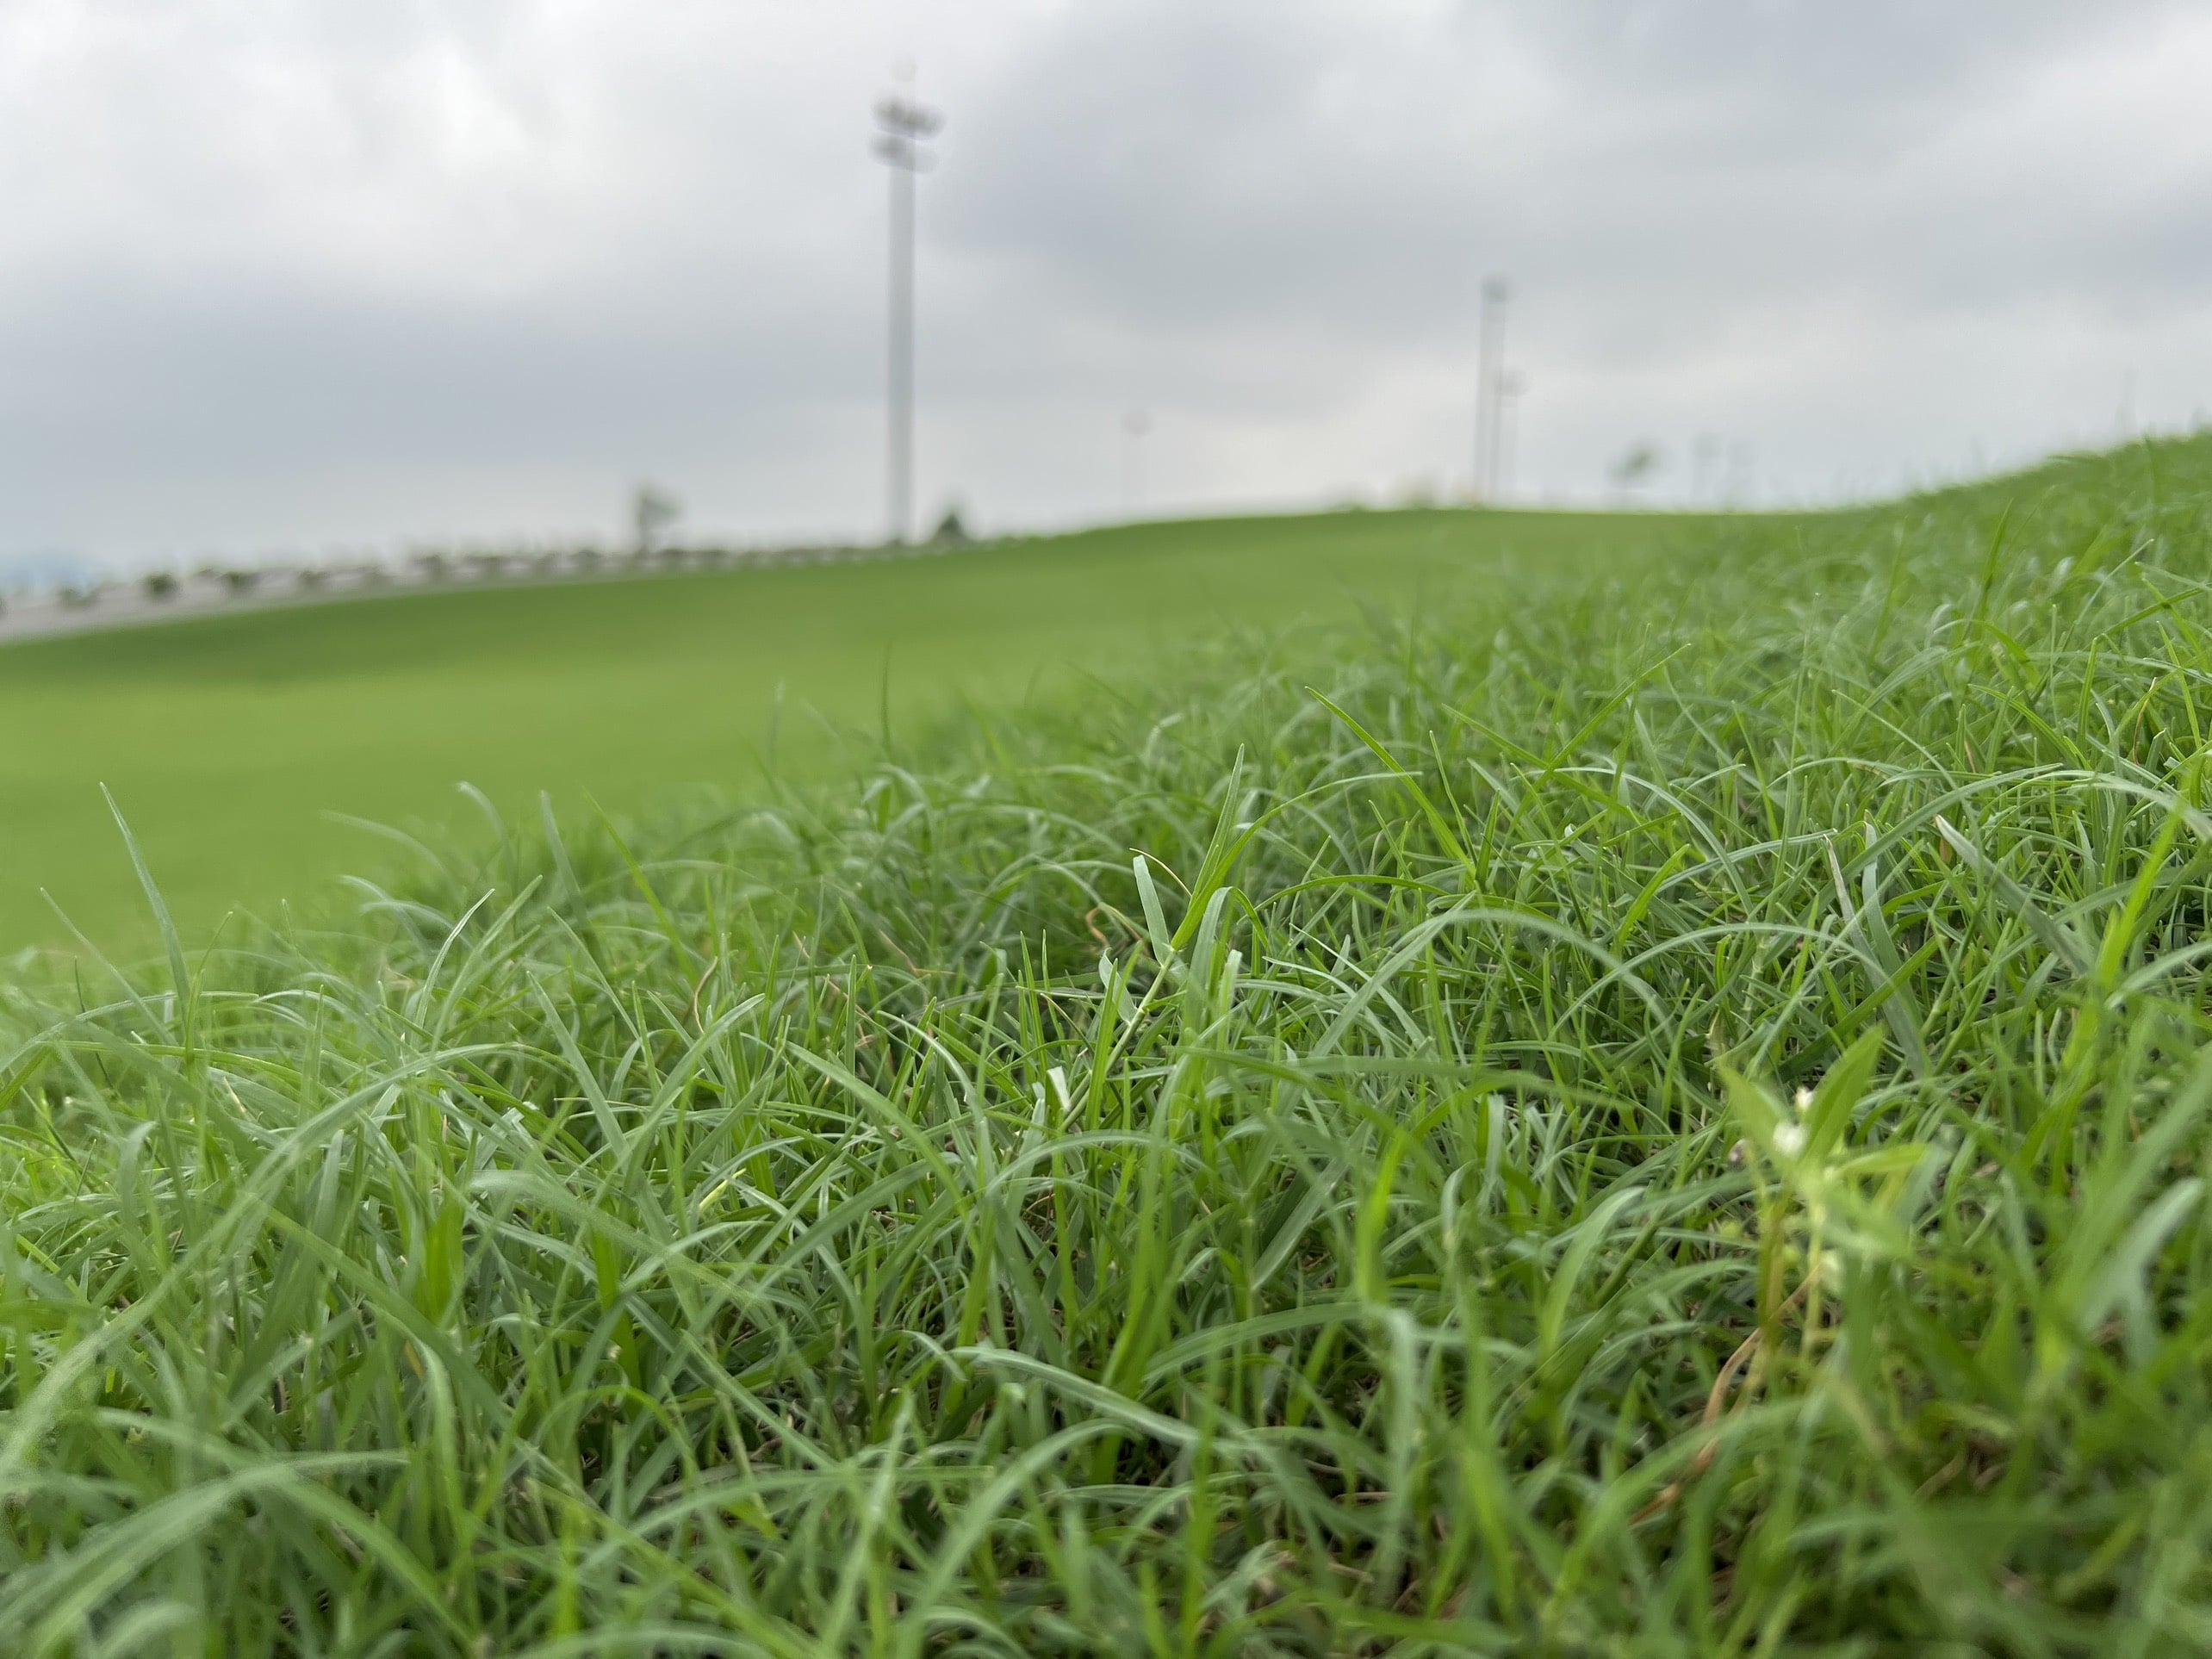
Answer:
(1636, 466)
(652, 512)
(160, 585)
(952, 530)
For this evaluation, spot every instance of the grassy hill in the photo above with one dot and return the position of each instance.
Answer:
(227, 741)
(1658, 1106)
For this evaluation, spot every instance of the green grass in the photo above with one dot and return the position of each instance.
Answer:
(1662, 1115)
(230, 741)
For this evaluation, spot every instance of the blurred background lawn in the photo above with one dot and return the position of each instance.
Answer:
(230, 741)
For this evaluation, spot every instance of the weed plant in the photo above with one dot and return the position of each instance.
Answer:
(1667, 1116)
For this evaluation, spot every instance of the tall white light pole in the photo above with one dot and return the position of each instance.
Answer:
(1511, 386)
(1489, 388)
(904, 125)
(1134, 426)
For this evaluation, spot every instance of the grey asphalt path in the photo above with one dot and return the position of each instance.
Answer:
(127, 604)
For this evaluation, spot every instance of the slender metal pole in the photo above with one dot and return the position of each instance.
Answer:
(904, 124)
(901, 447)
(1511, 385)
(1488, 390)
(1134, 426)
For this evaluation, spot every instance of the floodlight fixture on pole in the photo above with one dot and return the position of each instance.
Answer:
(903, 124)
(1489, 383)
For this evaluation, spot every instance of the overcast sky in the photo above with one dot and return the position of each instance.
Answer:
(279, 276)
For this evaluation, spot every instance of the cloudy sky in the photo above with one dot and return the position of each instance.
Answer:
(278, 275)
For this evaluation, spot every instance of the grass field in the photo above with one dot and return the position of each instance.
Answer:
(1658, 1107)
(229, 740)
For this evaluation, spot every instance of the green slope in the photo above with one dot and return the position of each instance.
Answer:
(228, 740)
(1669, 1115)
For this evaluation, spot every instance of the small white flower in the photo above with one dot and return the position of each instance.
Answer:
(1789, 1140)
(1804, 1099)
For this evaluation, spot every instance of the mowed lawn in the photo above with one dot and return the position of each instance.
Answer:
(235, 744)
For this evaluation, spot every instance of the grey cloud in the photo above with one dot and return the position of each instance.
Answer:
(310, 272)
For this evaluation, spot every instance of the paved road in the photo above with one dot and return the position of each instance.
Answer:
(125, 605)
